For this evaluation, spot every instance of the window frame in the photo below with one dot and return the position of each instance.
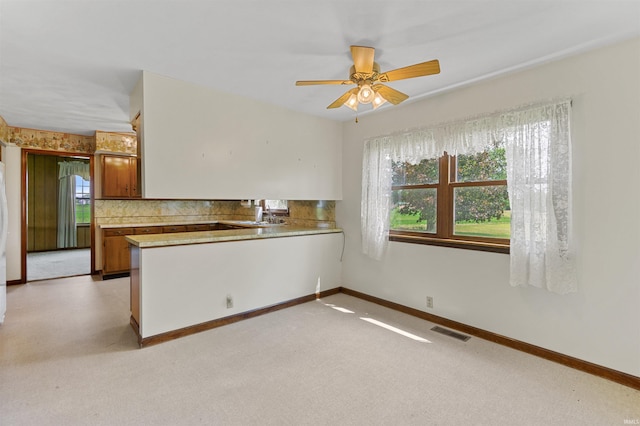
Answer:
(88, 192)
(445, 222)
(275, 212)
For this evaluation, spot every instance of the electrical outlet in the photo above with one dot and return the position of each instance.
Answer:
(429, 302)
(229, 301)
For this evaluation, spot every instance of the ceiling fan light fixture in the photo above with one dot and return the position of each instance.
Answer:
(378, 100)
(365, 75)
(352, 102)
(365, 94)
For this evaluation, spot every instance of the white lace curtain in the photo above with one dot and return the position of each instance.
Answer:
(67, 234)
(4, 224)
(538, 147)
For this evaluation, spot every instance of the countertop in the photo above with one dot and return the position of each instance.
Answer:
(202, 237)
(136, 225)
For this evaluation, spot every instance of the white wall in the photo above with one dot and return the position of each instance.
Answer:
(255, 273)
(199, 143)
(601, 323)
(12, 158)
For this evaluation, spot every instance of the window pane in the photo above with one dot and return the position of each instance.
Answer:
(482, 211)
(425, 172)
(83, 201)
(414, 210)
(487, 165)
(276, 204)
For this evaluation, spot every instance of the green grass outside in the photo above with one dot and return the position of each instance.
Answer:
(83, 213)
(407, 222)
(495, 228)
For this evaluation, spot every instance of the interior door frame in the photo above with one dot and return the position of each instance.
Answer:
(23, 191)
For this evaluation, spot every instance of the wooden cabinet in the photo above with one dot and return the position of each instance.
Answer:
(142, 230)
(120, 177)
(116, 256)
(115, 251)
(199, 227)
(174, 228)
(225, 226)
(134, 289)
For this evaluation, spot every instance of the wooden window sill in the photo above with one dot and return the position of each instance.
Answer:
(453, 243)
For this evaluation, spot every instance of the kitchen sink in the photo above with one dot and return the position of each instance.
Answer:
(254, 223)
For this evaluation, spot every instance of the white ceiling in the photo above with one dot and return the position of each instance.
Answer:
(69, 65)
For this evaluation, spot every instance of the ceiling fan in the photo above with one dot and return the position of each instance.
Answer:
(365, 73)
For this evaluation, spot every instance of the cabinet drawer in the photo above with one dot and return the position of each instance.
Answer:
(201, 227)
(147, 230)
(174, 228)
(225, 226)
(118, 232)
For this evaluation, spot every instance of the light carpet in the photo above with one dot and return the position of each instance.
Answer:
(59, 263)
(68, 356)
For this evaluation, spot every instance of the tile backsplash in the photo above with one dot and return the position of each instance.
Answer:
(301, 213)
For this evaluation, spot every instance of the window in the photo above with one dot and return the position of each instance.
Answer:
(454, 201)
(276, 207)
(83, 201)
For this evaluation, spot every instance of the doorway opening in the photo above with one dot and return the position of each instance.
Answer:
(57, 215)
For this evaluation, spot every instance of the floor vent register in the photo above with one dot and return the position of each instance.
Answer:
(451, 333)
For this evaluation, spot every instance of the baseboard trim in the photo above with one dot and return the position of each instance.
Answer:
(114, 275)
(15, 282)
(197, 328)
(136, 328)
(569, 361)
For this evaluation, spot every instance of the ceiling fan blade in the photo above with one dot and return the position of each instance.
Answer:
(342, 99)
(391, 95)
(315, 82)
(417, 70)
(363, 58)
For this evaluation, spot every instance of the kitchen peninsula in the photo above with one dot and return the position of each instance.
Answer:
(186, 282)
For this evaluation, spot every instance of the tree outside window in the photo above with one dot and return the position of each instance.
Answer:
(461, 198)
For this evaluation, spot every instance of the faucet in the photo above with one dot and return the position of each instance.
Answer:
(271, 217)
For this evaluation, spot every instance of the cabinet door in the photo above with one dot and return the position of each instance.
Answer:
(116, 251)
(134, 177)
(116, 255)
(116, 177)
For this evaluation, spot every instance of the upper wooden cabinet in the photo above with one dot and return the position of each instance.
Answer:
(120, 177)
